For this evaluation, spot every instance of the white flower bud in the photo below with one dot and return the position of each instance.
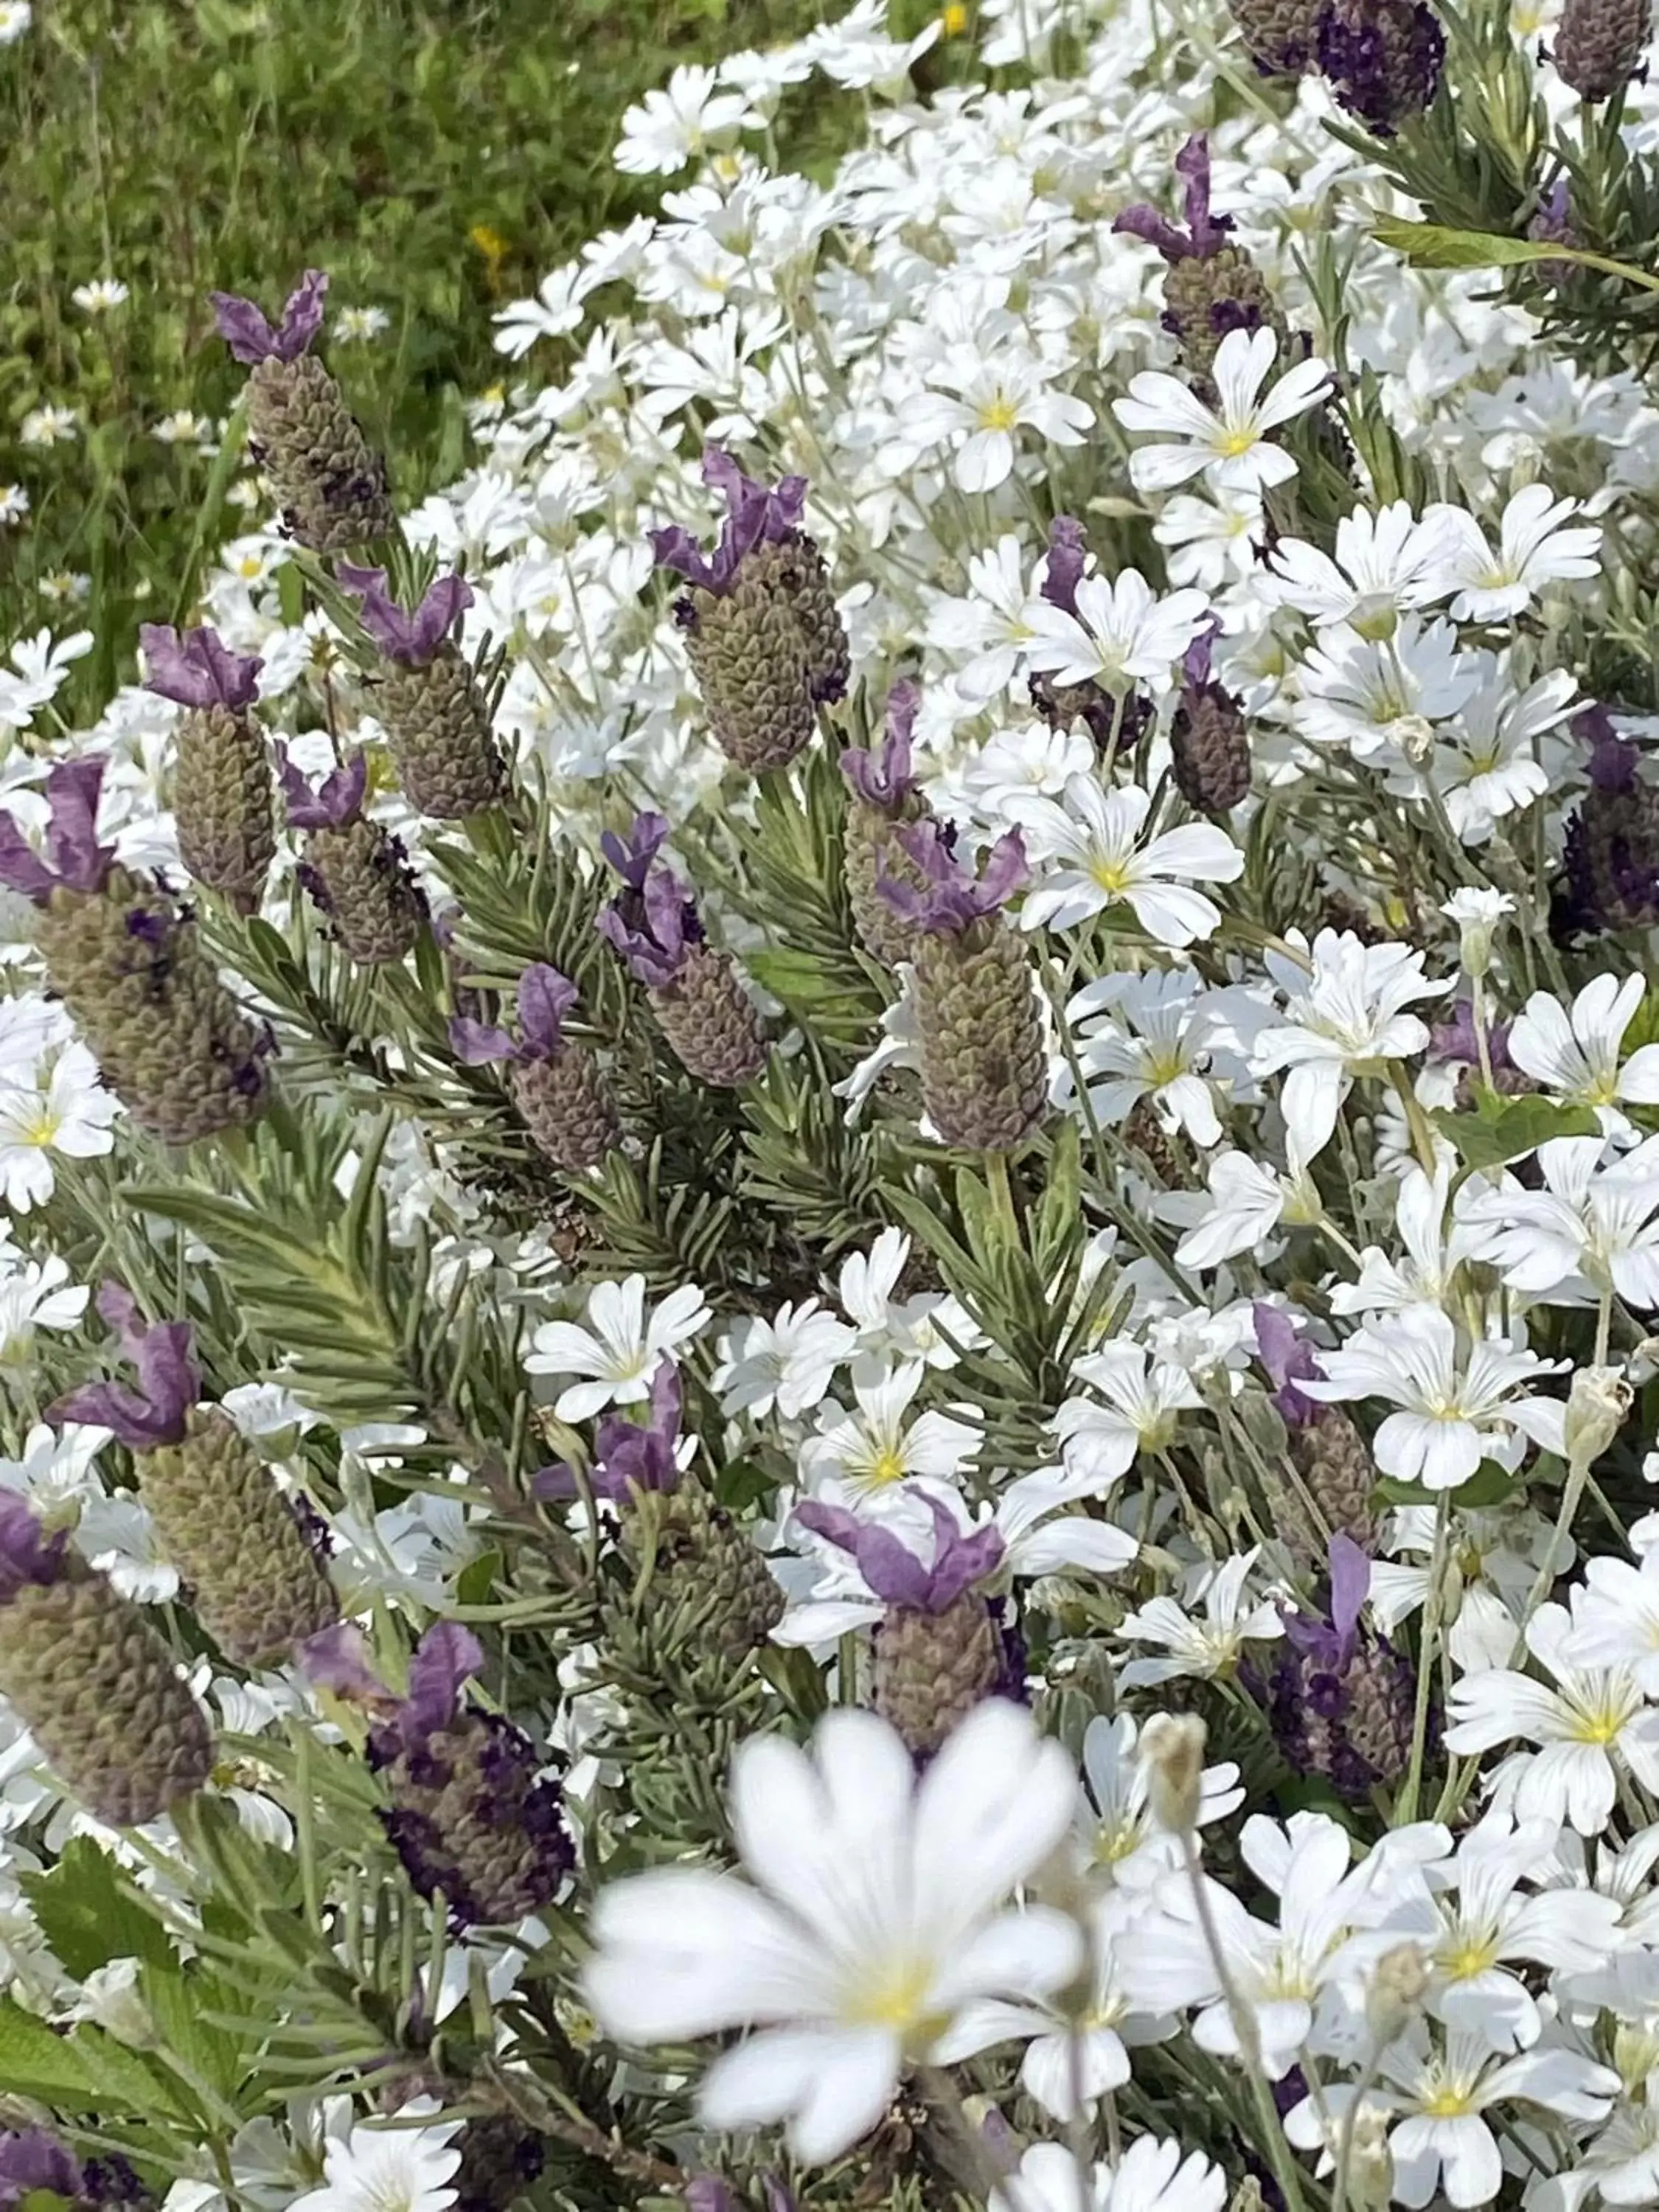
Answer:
(1478, 913)
(1596, 1405)
(1371, 2167)
(1172, 1750)
(110, 1997)
(1396, 1996)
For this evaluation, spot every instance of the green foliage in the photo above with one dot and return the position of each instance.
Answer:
(1505, 1128)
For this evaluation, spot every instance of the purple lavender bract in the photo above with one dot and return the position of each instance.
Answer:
(952, 900)
(197, 668)
(169, 1383)
(250, 337)
(1341, 1699)
(410, 639)
(73, 858)
(1205, 232)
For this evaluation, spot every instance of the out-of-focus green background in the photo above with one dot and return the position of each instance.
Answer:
(437, 159)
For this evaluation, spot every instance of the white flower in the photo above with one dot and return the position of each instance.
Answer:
(876, 1915)
(1594, 1726)
(1575, 1055)
(1442, 2143)
(1143, 1400)
(932, 1326)
(1498, 753)
(985, 402)
(1615, 1622)
(14, 504)
(1151, 2177)
(1534, 550)
(72, 1117)
(357, 326)
(400, 2169)
(1346, 1017)
(48, 426)
(1201, 1646)
(1120, 1834)
(56, 1472)
(1157, 1050)
(15, 16)
(618, 1347)
(1587, 1230)
(873, 1448)
(1422, 1274)
(37, 1295)
(674, 126)
(1121, 635)
(1377, 571)
(557, 310)
(1095, 835)
(992, 623)
(1458, 1399)
(1247, 1200)
(1227, 444)
(787, 1362)
(1368, 693)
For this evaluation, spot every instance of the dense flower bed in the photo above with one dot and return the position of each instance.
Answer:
(833, 1221)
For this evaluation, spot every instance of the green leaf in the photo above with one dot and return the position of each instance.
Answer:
(87, 2071)
(1432, 245)
(1490, 1485)
(88, 1916)
(1505, 1129)
(477, 1579)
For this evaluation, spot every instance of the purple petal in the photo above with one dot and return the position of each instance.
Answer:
(1192, 166)
(675, 548)
(1351, 1580)
(1288, 1358)
(631, 856)
(545, 997)
(243, 327)
(476, 1044)
(444, 604)
(1143, 221)
(169, 1383)
(445, 1658)
(197, 669)
(1067, 553)
(557, 1483)
(32, 2159)
(706, 2192)
(72, 849)
(22, 868)
(27, 1553)
(1195, 661)
(302, 315)
(338, 1659)
(960, 1561)
(391, 630)
(884, 778)
(1006, 871)
(339, 799)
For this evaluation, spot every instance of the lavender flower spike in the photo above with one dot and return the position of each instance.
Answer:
(884, 779)
(1288, 1359)
(654, 930)
(1204, 232)
(338, 800)
(31, 2159)
(952, 900)
(892, 1571)
(73, 858)
(169, 1383)
(546, 998)
(197, 668)
(250, 337)
(410, 639)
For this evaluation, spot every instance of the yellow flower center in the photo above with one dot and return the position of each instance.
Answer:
(998, 413)
(887, 1466)
(954, 20)
(1112, 876)
(42, 1129)
(1447, 2104)
(1471, 1958)
(1232, 443)
(896, 1996)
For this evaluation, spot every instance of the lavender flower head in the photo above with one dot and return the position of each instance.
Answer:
(338, 799)
(410, 639)
(885, 779)
(74, 859)
(893, 1572)
(755, 516)
(197, 668)
(953, 900)
(1068, 555)
(169, 1383)
(27, 1554)
(1614, 761)
(32, 2159)
(446, 1658)
(1204, 233)
(1454, 1044)
(1288, 1359)
(250, 337)
(1330, 1643)
(1383, 58)
(544, 998)
(1340, 1699)
(631, 855)
(628, 1455)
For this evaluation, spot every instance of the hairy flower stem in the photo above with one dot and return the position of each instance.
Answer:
(1434, 1606)
(1572, 1492)
(1244, 2027)
(1343, 2145)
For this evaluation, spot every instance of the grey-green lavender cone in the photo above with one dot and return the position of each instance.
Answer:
(933, 1668)
(353, 871)
(222, 802)
(329, 483)
(763, 632)
(712, 1024)
(254, 1578)
(169, 1039)
(568, 1109)
(1599, 45)
(707, 1574)
(91, 1680)
(438, 731)
(1211, 285)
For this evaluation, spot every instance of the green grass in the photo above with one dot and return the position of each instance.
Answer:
(436, 159)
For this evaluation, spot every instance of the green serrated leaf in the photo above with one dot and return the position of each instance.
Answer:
(87, 1914)
(1507, 1129)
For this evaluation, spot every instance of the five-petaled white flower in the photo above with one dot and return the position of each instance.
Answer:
(1091, 845)
(1532, 550)
(1120, 636)
(1228, 444)
(877, 1910)
(618, 1347)
(1574, 1055)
